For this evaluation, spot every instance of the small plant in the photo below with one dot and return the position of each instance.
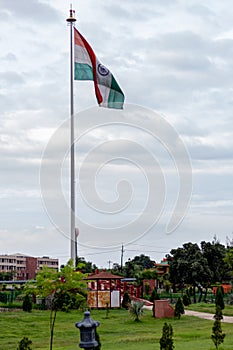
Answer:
(147, 289)
(167, 286)
(179, 308)
(24, 344)
(166, 341)
(27, 304)
(219, 298)
(217, 336)
(154, 296)
(126, 300)
(136, 309)
(186, 299)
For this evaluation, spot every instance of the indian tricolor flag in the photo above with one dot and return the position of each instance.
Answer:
(87, 67)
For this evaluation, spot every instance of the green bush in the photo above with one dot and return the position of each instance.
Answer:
(126, 300)
(166, 341)
(186, 300)
(24, 344)
(179, 308)
(217, 336)
(27, 304)
(219, 298)
(154, 296)
(136, 309)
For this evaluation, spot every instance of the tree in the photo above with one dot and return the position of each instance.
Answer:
(7, 276)
(24, 344)
(179, 308)
(217, 336)
(85, 266)
(27, 304)
(126, 300)
(166, 341)
(136, 309)
(228, 259)
(134, 267)
(188, 266)
(148, 274)
(215, 252)
(116, 268)
(65, 289)
(154, 296)
(219, 298)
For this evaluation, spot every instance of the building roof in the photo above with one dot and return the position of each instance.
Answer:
(103, 275)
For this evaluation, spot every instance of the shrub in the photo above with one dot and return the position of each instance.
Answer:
(217, 336)
(219, 298)
(24, 344)
(166, 341)
(147, 289)
(154, 295)
(179, 308)
(126, 300)
(167, 286)
(186, 300)
(136, 309)
(27, 304)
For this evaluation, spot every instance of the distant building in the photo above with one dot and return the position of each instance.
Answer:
(162, 268)
(23, 267)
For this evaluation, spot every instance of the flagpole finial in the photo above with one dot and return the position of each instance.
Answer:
(71, 19)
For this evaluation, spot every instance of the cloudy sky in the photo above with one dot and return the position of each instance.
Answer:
(173, 60)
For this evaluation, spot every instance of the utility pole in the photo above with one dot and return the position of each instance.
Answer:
(122, 253)
(109, 262)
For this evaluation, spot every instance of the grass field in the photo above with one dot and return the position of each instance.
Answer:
(118, 332)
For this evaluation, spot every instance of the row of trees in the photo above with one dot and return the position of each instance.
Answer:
(209, 263)
(203, 265)
(192, 264)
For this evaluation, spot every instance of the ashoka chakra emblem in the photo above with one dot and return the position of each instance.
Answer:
(102, 70)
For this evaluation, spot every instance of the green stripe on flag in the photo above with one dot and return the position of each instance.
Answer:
(83, 71)
(116, 96)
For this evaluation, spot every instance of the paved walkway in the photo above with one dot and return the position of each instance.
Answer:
(205, 315)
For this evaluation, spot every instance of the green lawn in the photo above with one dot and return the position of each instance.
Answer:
(118, 332)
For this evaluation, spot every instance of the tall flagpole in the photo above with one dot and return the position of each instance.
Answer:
(71, 20)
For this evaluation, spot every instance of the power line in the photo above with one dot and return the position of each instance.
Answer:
(147, 251)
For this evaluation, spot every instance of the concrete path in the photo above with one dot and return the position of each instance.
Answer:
(226, 319)
(205, 315)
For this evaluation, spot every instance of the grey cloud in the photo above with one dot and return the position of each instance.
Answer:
(132, 11)
(11, 78)
(33, 10)
(214, 152)
(202, 10)
(9, 57)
